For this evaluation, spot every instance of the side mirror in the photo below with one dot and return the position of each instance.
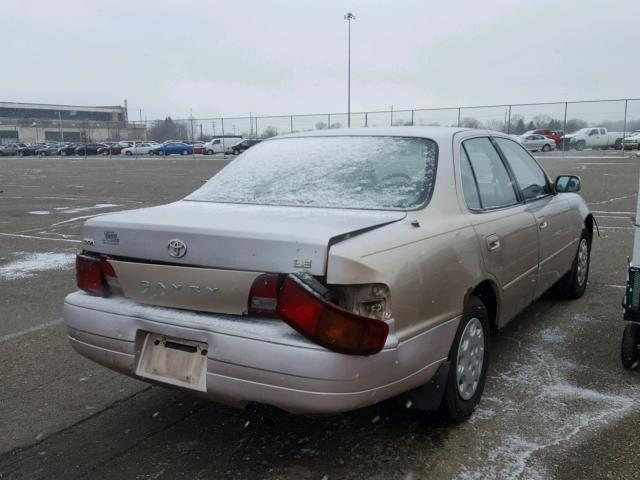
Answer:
(568, 184)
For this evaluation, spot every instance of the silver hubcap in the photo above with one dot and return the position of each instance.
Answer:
(583, 261)
(470, 358)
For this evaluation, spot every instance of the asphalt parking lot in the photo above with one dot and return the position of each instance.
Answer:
(557, 404)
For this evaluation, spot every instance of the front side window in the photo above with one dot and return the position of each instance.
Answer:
(360, 172)
(530, 177)
(494, 184)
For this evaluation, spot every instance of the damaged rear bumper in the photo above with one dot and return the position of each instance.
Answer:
(257, 360)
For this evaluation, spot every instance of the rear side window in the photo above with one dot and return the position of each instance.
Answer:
(530, 177)
(494, 185)
(469, 187)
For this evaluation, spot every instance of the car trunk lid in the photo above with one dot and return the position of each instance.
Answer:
(205, 256)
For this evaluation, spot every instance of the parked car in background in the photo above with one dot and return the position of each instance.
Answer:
(47, 150)
(220, 144)
(328, 289)
(68, 149)
(632, 141)
(242, 146)
(198, 148)
(16, 149)
(139, 148)
(111, 148)
(535, 142)
(592, 137)
(556, 136)
(89, 148)
(172, 148)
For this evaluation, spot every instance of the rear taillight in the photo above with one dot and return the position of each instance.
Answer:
(263, 299)
(328, 324)
(95, 275)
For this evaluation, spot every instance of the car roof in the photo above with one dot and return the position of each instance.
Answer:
(439, 134)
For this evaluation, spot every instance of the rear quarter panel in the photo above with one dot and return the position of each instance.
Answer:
(430, 270)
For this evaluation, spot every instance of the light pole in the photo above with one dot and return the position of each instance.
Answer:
(348, 17)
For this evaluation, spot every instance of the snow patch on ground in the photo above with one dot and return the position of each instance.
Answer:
(545, 408)
(30, 263)
(85, 209)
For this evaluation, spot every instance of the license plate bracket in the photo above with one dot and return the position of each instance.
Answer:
(174, 361)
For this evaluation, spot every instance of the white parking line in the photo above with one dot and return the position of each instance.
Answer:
(39, 238)
(35, 328)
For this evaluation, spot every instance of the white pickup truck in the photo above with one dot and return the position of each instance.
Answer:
(592, 137)
(221, 144)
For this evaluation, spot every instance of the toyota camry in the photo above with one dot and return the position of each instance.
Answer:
(327, 271)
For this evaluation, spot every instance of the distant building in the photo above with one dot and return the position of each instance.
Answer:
(36, 122)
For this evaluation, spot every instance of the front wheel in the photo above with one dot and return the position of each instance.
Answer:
(184, 152)
(128, 153)
(574, 282)
(469, 358)
(629, 348)
(546, 148)
(580, 146)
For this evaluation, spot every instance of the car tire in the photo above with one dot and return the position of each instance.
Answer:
(209, 152)
(128, 153)
(235, 152)
(63, 153)
(20, 154)
(546, 148)
(573, 284)
(629, 354)
(470, 346)
(42, 154)
(580, 146)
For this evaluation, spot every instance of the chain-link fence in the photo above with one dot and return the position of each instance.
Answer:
(621, 115)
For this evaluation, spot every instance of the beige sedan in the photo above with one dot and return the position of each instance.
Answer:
(327, 271)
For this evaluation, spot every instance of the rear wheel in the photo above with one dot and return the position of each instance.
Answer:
(128, 152)
(63, 153)
(184, 152)
(469, 357)
(629, 348)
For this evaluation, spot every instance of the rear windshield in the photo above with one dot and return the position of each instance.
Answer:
(361, 172)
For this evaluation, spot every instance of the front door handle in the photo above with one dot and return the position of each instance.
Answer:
(543, 224)
(493, 242)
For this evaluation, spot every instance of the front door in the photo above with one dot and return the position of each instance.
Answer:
(553, 215)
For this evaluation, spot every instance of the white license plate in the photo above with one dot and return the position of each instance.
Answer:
(174, 361)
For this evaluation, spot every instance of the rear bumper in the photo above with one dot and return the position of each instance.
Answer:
(256, 360)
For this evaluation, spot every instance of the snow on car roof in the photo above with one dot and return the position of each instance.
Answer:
(434, 133)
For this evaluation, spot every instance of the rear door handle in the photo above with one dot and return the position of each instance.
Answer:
(493, 242)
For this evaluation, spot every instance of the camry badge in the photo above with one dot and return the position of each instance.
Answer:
(177, 248)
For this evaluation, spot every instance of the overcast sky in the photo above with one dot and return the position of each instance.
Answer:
(279, 57)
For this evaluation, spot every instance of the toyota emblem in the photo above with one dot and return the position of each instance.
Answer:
(177, 248)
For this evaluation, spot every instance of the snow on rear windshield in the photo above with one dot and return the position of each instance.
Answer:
(336, 172)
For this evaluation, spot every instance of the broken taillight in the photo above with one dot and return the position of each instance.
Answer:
(95, 275)
(326, 323)
(263, 298)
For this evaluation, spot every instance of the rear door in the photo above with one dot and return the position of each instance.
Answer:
(554, 221)
(506, 230)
